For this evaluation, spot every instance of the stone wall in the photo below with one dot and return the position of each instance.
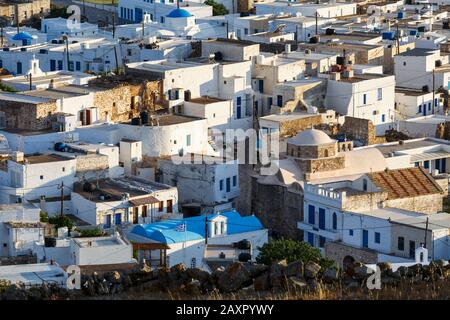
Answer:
(322, 164)
(427, 204)
(361, 130)
(292, 127)
(20, 115)
(278, 207)
(92, 166)
(26, 9)
(338, 251)
(363, 201)
(125, 101)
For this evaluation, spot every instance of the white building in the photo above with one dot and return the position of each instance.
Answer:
(134, 10)
(207, 184)
(56, 27)
(35, 177)
(183, 241)
(304, 27)
(367, 96)
(19, 229)
(412, 103)
(323, 9)
(414, 69)
(86, 251)
(112, 202)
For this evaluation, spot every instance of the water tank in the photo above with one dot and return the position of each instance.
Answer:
(60, 146)
(244, 257)
(329, 31)
(244, 245)
(388, 35)
(144, 117)
(218, 56)
(314, 39)
(49, 242)
(136, 121)
(89, 186)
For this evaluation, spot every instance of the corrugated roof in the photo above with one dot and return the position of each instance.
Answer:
(405, 183)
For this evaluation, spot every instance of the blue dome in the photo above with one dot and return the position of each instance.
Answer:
(179, 13)
(22, 36)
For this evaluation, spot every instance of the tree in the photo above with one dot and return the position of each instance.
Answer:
(290, 250)
(218, 8)
(61, 221)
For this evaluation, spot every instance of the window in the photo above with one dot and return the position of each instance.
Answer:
(279, 101)
(435, 102)
(412, 249)
(350, 232)
(377, 237)
(216, 229)
(193, 263)
(161, 206)
(401, 243)
(334, 221)
(188, 140)
(321, 241)
(144, 211)
(380, 94)
(404, 63)
(429, 106)
(234, 181)
(365, 184)
(222, 227)
(420, 109)
(78, 65)
(221, 185)
(311, 214)
(383, 118)
(245, 31)
(364, 98)
(63, 169)
(41, 177)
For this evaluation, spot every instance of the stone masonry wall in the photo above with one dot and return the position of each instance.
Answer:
(278, 207)
(292, 127)
(361, 130)
(19, 115)
(337, 251)
(427, 204)
(320, 165)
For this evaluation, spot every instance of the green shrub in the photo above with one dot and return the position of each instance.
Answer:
(61, 221)
(291, 250)
(43, 217)
(218, 8)
(91, 233)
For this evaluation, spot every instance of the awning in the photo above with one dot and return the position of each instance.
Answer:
(429, 156)
(143, 201)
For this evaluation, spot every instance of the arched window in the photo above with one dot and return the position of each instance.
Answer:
(334, 221)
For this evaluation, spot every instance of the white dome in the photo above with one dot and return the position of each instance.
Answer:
(311, 137)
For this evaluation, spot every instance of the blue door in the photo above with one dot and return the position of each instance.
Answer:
(311, 213)
(426, 164)
(261, 85)
(118, 219)
(19, 67)
(424, 110)
(60, 64)
(108, 221)
(52, 65)
(321, 218)
(228, 184)
(365, 238)
(138, 15)
(443, 165)
(311, 238)
(238, 112)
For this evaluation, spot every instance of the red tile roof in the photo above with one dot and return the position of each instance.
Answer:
(405, 183)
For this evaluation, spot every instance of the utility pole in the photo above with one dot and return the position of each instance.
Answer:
(62, 198)
(434, 89)
(317, 23)
(426, 231)
(67, 50)
(227, 28)
(398, 39)
(113, 24)
(31, 81)
(206, 230)
(17, 17)
(296, 34)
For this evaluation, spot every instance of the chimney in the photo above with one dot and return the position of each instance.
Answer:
(18, 156)
(287, 48)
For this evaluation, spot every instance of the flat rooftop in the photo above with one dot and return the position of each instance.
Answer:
(436, 221)
(96, 242)
(45, 158)
(60, 93)
(206, 100)
(387, 149)
(363, 77)
(114, 189)
(418, 52)
(288, 117)
(22, 98)
(168, 120)
(33, 274)
(410, 92)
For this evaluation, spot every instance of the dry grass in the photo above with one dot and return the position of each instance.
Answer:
(440, 290)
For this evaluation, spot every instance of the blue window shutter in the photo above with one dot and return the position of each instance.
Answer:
(311, 214)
